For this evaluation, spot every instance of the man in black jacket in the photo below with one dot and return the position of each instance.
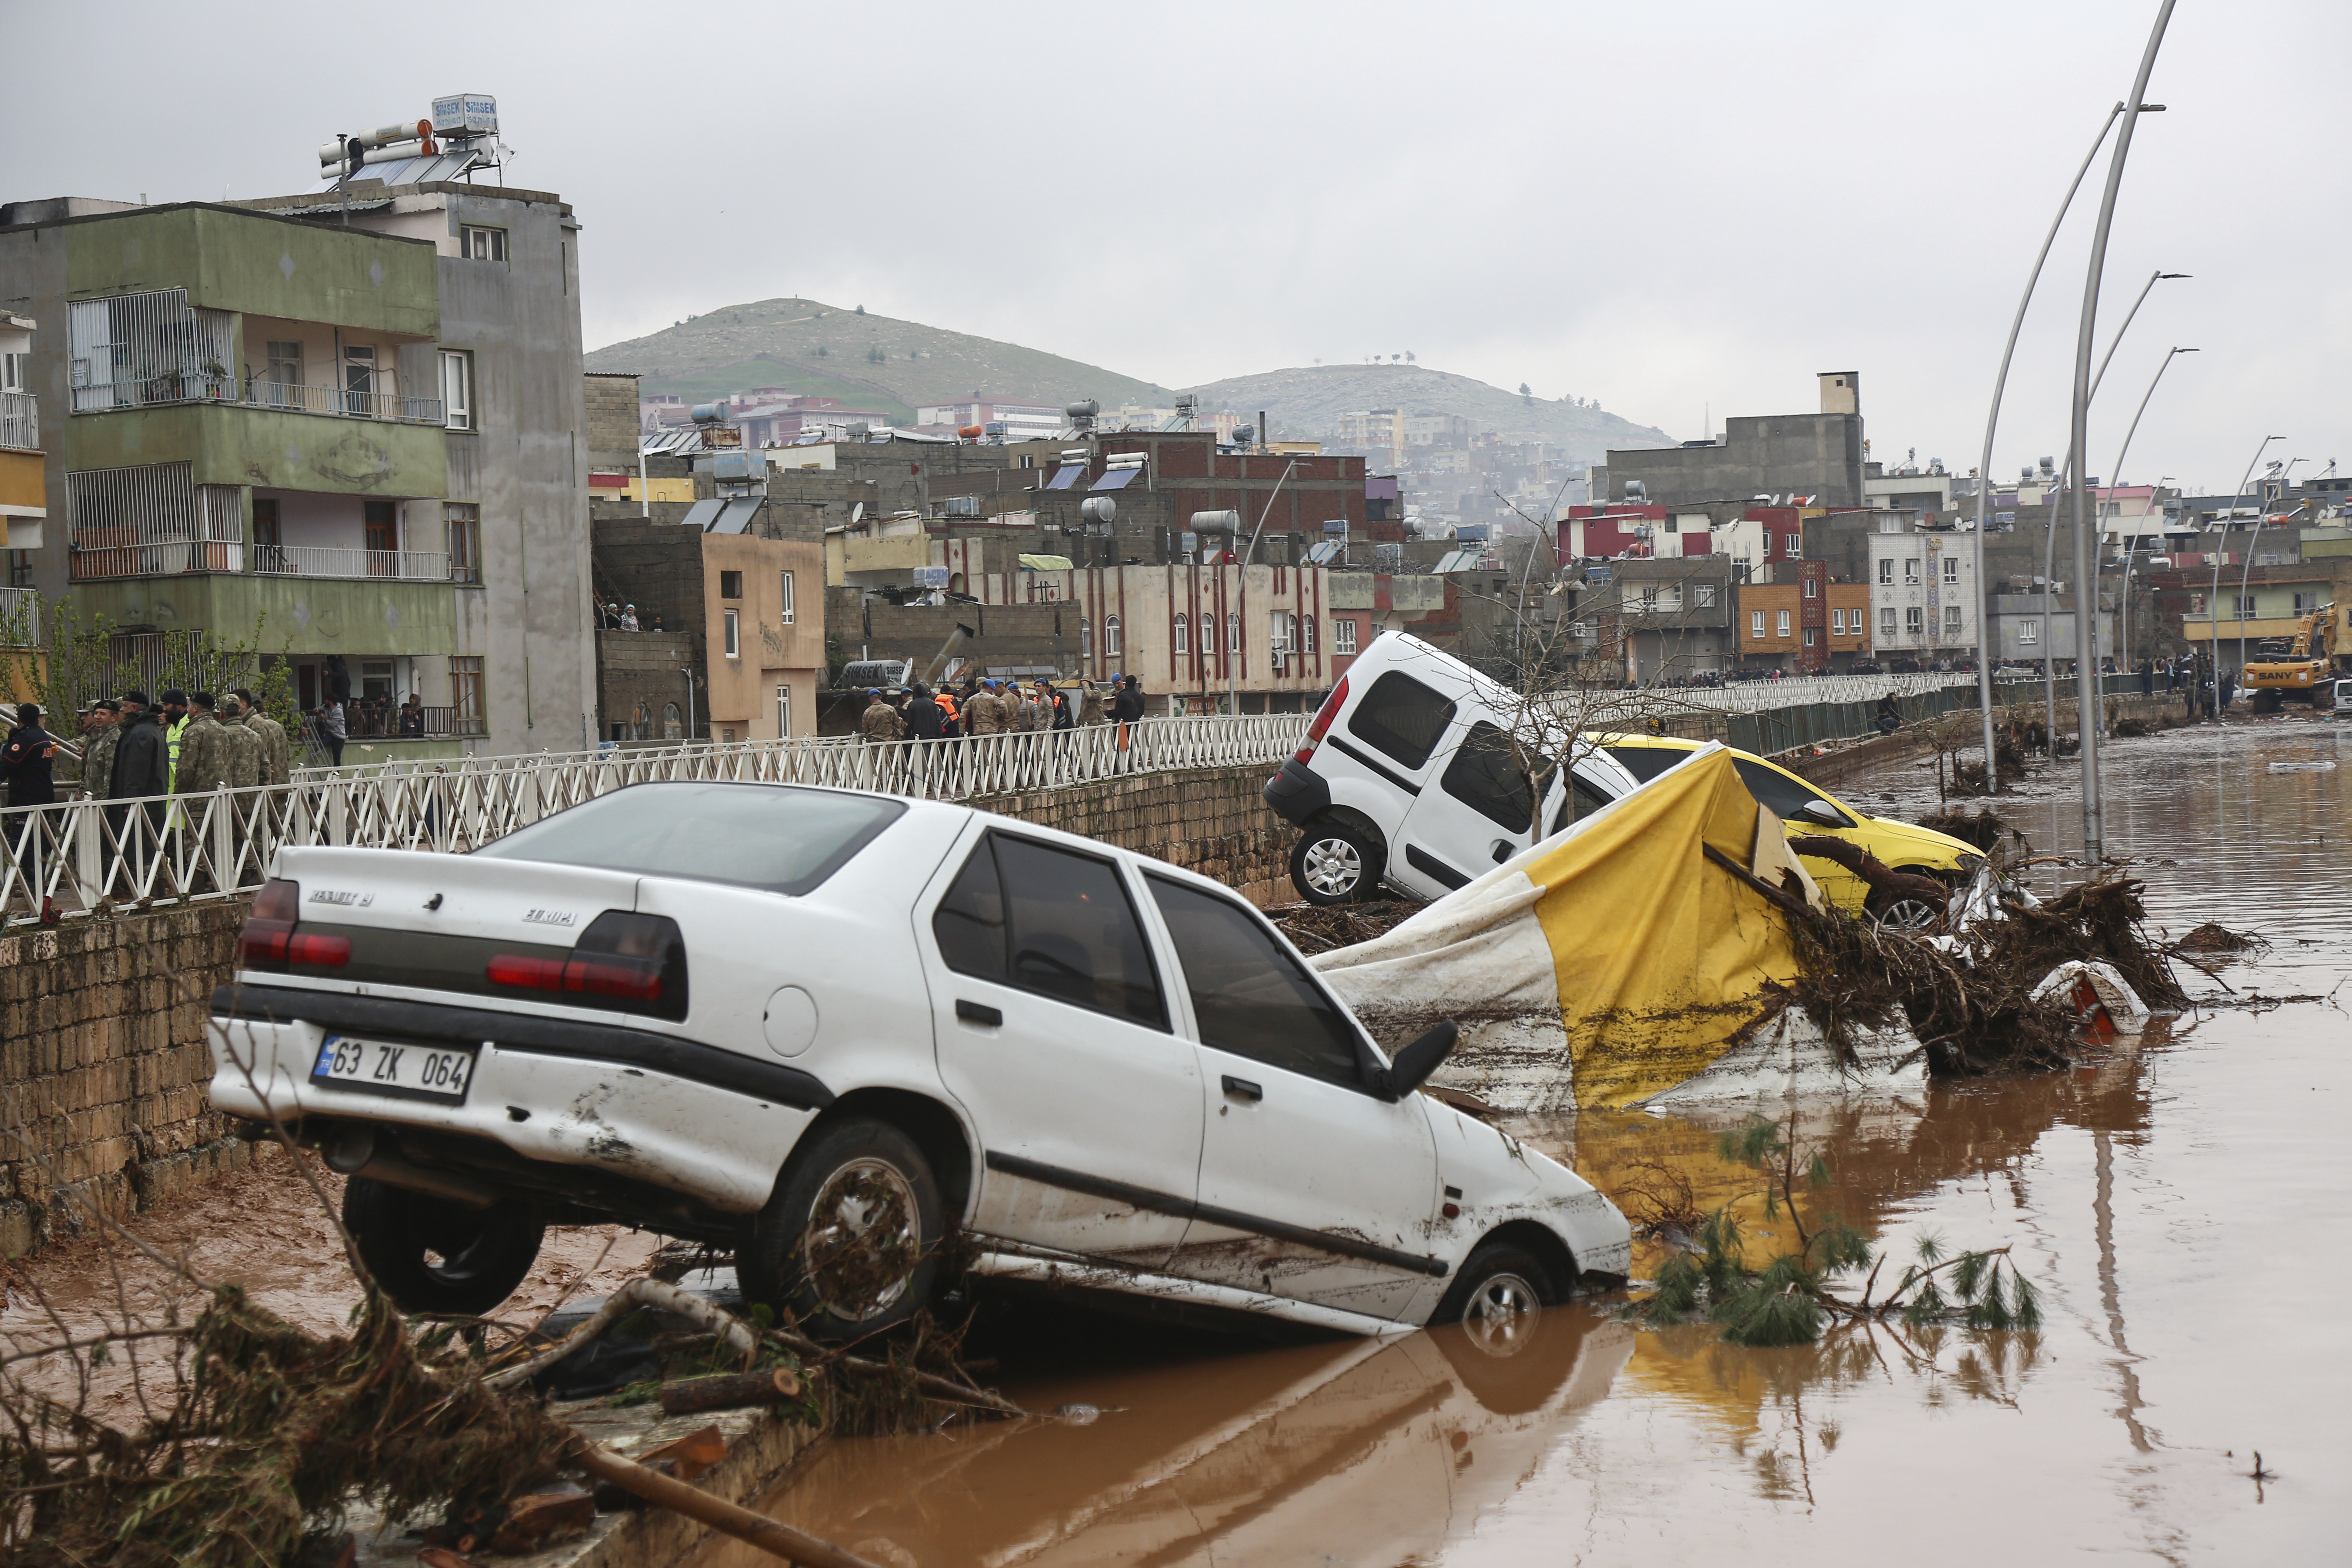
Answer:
(142, 766)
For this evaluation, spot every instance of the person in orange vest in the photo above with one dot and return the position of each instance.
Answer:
(951, 721)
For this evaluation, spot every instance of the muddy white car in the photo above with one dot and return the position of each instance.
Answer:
(831, 1030)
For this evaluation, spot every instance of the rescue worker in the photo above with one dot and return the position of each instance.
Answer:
(984, 711)
(1092, 707)
(277, 751)
(203, 762)
(175, 725)
(880, 722)
(922, 715)
(951, 718)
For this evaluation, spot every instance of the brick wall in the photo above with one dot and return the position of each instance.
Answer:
(104, 1066)
(1213, 821)
(611, 437)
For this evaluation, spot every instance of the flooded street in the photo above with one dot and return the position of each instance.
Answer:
(2174, 1201)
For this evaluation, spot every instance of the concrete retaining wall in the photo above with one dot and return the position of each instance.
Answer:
(1213, 821)
(103, 1065)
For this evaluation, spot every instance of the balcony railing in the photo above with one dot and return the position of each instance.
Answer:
(181, 387)
(20, 420)
(332, 561)
(20, 617)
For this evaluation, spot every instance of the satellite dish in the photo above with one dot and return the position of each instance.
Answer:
(857, 514)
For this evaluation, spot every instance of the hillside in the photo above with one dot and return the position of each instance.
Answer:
(824, 350)
(1307, 402)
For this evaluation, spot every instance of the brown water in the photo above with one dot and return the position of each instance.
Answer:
(2178, 1202)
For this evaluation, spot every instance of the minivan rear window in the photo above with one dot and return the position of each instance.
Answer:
(777, 838)
(1401, 718)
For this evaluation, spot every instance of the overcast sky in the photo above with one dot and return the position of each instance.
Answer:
(1677, 210)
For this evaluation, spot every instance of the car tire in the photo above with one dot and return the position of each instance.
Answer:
(1334, 863)
(1510, 1353)
(1905, 913)
(430, 1255)
(849, 1244)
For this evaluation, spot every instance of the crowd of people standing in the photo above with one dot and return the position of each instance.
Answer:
(985, 705)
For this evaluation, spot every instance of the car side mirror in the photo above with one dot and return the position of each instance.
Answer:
(1410, 1067)
(1823, 813)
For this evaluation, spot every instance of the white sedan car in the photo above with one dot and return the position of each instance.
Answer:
(831, 1030)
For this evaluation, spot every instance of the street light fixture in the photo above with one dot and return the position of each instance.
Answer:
(2246, 574)
(2087, 683)
(2213, 602)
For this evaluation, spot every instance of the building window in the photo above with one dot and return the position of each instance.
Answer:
(1951, 569)
(1837, 623)
(783, 713)
(2241, 606)
(730, 585)
(1649, 601)
(1796, 547)
(461, 523)
(285, 373)
(1086, 639)
(457, 389)
(1887, 623)
(785, 588)
(1183, 632)
(380, 529)
(1234, 633)
(267, 553)
(734, 633)
(1910, 569)
(673, 729)
(1780, 623)
(1756, 623)
(1913, 624)
(483, 244)
(1307, 629)
(1702, 595)
(466, 696)
(1813, 636)
(2028, 634)
(1951, 620)
(1343, 636)
(1813, 587)
(1886, 571)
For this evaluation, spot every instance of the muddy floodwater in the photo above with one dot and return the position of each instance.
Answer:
(2181, 1203)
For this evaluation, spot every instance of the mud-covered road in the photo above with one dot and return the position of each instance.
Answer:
(2179, 1203)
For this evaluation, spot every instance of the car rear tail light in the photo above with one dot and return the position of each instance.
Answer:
(635, 964)
(1323, 717)
(269, 942)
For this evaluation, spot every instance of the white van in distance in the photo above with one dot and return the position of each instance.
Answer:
(1408, 778)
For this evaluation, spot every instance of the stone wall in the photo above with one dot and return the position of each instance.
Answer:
(103, 1065)
(1213, 821)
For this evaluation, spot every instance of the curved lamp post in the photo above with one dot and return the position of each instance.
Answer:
(2115, 477)
(2245, 576)
(2214, 601)
(2087, 684)
(1992, 419)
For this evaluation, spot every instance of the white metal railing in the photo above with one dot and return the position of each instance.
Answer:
(1749, 696)
(84, 854)
(20, 617)
(334, 561)
(132, 350)
(394, 405)
(20, 420)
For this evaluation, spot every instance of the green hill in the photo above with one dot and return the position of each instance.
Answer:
(1308, 401)
(866, 361)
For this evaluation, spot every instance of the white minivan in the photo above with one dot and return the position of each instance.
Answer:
(1407, 778)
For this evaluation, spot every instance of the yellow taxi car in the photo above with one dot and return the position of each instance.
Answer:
(1807, 810)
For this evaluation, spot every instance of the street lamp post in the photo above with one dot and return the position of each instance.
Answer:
(2115, 479)
(2213, 600)
(2246, 574)
(1992, 419)
(2087, 684)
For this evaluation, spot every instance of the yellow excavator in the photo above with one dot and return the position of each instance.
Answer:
(2301, 671)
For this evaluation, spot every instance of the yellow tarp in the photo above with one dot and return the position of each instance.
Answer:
(1659, 952)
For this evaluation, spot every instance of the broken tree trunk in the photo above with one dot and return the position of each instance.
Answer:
(730, 1391)
(771, 1536)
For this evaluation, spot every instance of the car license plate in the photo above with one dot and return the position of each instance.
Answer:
(386, 1067)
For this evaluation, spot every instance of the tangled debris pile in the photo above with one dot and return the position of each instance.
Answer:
(2212, 937)
(1319, 928)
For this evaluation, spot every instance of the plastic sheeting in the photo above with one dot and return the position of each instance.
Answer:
(1615, 961)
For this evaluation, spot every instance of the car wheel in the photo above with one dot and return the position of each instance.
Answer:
(849, 1243)
(1334, 864)
(430, 1255)
(1508, 1350)
(1909, 911)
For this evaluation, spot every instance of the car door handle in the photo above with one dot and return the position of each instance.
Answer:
(978, 1012)
(1242, 1088)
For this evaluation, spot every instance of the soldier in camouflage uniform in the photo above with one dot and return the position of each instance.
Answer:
(204, 750)
(880, 722)
(98, 744)
(241, 746)
(277, 750)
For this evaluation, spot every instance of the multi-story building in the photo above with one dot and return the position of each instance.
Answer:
(23, 508)
(349, 436)
(1924, 596)
(999, 421)
(1663, 619)
(1813, 458)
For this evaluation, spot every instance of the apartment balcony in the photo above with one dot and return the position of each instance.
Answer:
(95, 560)
(187, 386)
(20, 421)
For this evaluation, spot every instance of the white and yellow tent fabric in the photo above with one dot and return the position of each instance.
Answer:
(1617, 963)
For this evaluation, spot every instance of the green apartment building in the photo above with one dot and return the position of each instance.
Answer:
(268, 415)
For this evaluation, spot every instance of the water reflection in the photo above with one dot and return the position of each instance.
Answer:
(2157, 1194)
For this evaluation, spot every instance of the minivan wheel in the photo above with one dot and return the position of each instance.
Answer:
(430, 1255)
(849, 1243)
(1332, 864)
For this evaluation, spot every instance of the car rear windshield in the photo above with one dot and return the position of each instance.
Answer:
(780, 839)
(1646, 763)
